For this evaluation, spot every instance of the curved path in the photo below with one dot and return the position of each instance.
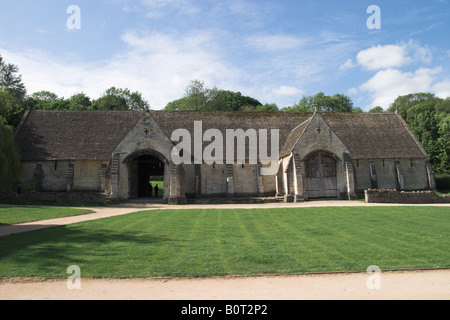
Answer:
(411, 285)
(110, 211)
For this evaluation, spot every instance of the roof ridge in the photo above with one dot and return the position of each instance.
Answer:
(307, 121)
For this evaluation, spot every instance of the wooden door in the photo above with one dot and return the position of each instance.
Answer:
(321, 177)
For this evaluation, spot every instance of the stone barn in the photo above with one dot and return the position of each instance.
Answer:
(115, 155)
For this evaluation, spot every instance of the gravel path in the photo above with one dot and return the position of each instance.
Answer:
(423, 285)
(105, 212)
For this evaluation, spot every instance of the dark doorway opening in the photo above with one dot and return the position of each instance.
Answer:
(150, 176)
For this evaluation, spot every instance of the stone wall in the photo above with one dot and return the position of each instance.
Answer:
(407, 197)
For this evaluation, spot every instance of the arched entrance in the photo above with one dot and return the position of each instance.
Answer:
(146, 175)
(321, 175)
(150, 176)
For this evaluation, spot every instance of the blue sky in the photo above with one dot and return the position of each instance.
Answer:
(274, 51)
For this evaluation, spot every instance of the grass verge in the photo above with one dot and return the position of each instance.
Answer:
(17, 214)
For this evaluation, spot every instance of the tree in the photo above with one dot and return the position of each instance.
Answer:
(377, 109)
(224, 100)
(79, 101)
(322, 103)
(11, 82)
(198, 97)
(403, 103)
(9, 156)
(120, 99)
(5, 104)
(268, 107)
(428, 117)
(46, 100)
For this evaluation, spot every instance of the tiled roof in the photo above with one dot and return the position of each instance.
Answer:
(94, 135)
(73, 135)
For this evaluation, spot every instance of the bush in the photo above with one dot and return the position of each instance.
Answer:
(9, 159)
(443, 182)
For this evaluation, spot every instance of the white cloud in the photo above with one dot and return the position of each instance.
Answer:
(352, 91)
(287, 91)
(157, 65)
(382, 57)
(347, 65)
(442, 89)
(276, 42)
(393, 56)
(386, 85)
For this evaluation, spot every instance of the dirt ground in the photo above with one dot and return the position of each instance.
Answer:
(415, 285)
(404, 285)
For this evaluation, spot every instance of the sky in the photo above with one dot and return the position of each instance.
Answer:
(273, 51)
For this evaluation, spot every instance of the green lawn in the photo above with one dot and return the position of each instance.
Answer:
(16, 214)
(182, 243)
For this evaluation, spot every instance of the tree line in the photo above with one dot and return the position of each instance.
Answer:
(427, 115)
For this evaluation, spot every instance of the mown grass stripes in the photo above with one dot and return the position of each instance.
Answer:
(17, 214)
(197, 243)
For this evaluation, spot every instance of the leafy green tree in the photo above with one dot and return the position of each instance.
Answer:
(322, 103)
(120, 99)
(5, 105)
(11, 82)
(79, 101)
(443, 156)
(198, 97)
(377, 109)
(428, 117)
(46, 100)
(268, 107)
(224, 100)
(403, 103)
(9, 156)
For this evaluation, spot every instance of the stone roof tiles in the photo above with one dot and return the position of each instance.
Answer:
(94, 135)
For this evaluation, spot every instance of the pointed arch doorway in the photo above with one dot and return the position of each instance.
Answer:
(150, 175)
(146, 170)
(321, 175)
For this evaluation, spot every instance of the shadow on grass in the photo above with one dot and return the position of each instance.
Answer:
(48, 253)
(50, 203)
